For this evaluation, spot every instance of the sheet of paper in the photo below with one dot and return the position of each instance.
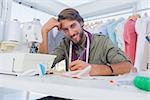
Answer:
(78, 73)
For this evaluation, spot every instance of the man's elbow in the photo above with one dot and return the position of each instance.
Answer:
(43, 51)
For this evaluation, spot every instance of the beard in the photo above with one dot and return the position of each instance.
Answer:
(81, 34)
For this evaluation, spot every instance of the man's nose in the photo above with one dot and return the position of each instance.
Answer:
(71, 33)
(72, 36)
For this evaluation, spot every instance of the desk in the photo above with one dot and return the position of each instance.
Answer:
(83, 89)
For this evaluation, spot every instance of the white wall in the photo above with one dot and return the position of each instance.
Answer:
(26, 14)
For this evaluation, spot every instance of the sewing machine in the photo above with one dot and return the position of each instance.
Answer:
(32, 34)
(18, 55)
(12, 63)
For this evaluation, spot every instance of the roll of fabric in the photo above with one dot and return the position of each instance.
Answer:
(14, 31)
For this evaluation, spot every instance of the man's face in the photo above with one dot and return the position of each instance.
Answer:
(72, 29)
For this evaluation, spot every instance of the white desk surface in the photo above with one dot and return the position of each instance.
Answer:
(84, 89)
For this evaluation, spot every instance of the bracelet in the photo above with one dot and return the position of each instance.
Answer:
(110, 67)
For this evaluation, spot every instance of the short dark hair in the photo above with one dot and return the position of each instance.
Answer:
(70, 14)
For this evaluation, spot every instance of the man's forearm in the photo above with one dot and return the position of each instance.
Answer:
(45, 29)
(123, 67)
(120, 68)
(43, 48)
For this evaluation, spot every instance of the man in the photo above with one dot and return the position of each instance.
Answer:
(81, 49)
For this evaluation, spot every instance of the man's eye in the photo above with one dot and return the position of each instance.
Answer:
(65, 29)
(73, 25)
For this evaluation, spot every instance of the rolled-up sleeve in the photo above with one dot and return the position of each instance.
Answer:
(114, 54)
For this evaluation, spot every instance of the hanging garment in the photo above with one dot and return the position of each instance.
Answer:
(111, 30)
(88, 27)
(130, 38)
(54, 39)
(141, 30)
(145, 64)
(119, 30)
(101, 28)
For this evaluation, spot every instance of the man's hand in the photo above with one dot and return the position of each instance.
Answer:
(51, 23)
(77, 65)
